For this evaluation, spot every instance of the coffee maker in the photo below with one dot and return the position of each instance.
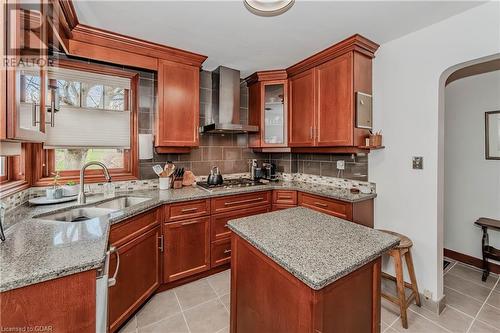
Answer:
(269, 171)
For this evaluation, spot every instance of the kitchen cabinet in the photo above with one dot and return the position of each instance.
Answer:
(240, 201)
(267, 109)
(187, 248)
(178, 109)
(322, 91)
(302, 109)
(138, 246)
(25, 80)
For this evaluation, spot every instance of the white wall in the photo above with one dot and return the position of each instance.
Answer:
(472, 183)
(408, 88)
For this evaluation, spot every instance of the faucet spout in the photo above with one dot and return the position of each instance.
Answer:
(81, 195)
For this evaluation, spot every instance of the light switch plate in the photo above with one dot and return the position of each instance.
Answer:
(418, 162)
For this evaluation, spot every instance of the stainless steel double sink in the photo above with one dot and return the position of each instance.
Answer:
(98, 210)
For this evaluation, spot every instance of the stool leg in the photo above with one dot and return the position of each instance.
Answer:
(401, 288)
(413, 278)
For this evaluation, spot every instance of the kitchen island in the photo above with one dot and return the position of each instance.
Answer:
(298, 270)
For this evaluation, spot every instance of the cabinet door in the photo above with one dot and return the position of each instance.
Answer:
(335, 121)
(302, 109)
(138, 276)
(26, 81)
(187, 248)
(274, 129)
(178, 105)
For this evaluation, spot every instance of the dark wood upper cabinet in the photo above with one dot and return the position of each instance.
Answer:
(178, 115)
(187, 248)
(267, 108)
(322, 95)
(335, 115)
(302, 109)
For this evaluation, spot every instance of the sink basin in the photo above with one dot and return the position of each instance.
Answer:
(122, 202)
(78, 214)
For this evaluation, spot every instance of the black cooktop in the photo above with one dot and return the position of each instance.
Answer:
(230, 183)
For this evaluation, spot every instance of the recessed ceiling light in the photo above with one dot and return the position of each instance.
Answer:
(268, 7)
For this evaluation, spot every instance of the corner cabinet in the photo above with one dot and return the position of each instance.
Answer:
(322, 90)
(267, 107)
(178, 107)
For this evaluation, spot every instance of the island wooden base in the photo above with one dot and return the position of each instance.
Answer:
(267, 298)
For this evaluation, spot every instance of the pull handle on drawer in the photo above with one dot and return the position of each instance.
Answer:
(192, 222)
(320, 204)
(227, 251)
(188, 210)
(242, 201)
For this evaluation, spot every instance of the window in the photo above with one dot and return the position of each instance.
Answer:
(12, 171)
(95, 121)
(3, 169)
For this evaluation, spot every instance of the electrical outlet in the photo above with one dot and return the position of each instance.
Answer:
(418, 162)
(428, 294)
(340, 165)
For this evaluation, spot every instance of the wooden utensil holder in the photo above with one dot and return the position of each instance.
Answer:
(375, 140)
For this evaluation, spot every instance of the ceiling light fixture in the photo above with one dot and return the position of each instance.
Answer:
(268, 7)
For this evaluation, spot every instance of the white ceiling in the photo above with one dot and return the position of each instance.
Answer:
(231, 36)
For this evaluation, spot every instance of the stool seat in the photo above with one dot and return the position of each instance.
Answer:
(404, 242)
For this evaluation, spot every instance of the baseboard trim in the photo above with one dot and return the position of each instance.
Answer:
(466, 259)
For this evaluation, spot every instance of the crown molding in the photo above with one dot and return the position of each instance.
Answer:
(278, 74)
(356, 43)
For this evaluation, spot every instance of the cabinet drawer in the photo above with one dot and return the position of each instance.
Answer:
(286, 197)
(221, 252)
(282, 206)
(218, 222)
(238, 202)
(329, 206)
(190, 209)
(129, 229)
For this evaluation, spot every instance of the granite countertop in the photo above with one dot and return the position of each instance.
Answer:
(38, 250)
(316, 248)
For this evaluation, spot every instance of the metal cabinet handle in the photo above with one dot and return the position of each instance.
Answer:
(227, 251)
(161, 243)
(242, 201)
(320, 204)
(284, 197)
(187, 210)
(193, 222)
(112, 281)
(311, 135)
(52, 113)
(33, 111)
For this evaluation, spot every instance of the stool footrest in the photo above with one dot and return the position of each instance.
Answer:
(390, 277)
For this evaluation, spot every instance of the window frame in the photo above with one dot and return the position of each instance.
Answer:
(45, 158)
(17, 179)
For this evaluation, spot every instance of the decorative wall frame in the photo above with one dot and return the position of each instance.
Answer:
(492, 135)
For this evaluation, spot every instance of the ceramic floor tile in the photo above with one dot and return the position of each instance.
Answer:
(450, 319)
(173, 324)
(480, 327)
(226, 300)
(208, 317)
(221, 282)
(466, 287)
(418, 324)
(490, 315)
(194, 293)
(389, 312)
(462, 302)
(494, 299)
(160, 306)
(130, 326)
(224, 330)
(473, 275)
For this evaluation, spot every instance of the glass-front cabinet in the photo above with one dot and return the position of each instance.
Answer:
(267, 107)
(26, 80)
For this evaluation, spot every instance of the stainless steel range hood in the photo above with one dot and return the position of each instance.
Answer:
(225, 111)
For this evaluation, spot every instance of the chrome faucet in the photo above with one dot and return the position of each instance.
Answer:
(81, 195)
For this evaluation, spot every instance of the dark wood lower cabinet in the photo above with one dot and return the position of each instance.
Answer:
(138, 276)
(260, 287)
(220, 252)
(187, 248)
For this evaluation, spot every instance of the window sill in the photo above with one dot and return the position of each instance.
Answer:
(9, 188)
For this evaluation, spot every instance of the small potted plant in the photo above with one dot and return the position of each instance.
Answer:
(54, 192)
(70, 189)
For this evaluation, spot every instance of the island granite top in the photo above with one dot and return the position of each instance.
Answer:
(315, 247)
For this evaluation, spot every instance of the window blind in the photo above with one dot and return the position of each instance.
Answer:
(87, 127)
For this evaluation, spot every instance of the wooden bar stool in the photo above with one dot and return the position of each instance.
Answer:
(403, 249)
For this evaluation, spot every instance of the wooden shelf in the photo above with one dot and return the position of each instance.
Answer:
(371, 147)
